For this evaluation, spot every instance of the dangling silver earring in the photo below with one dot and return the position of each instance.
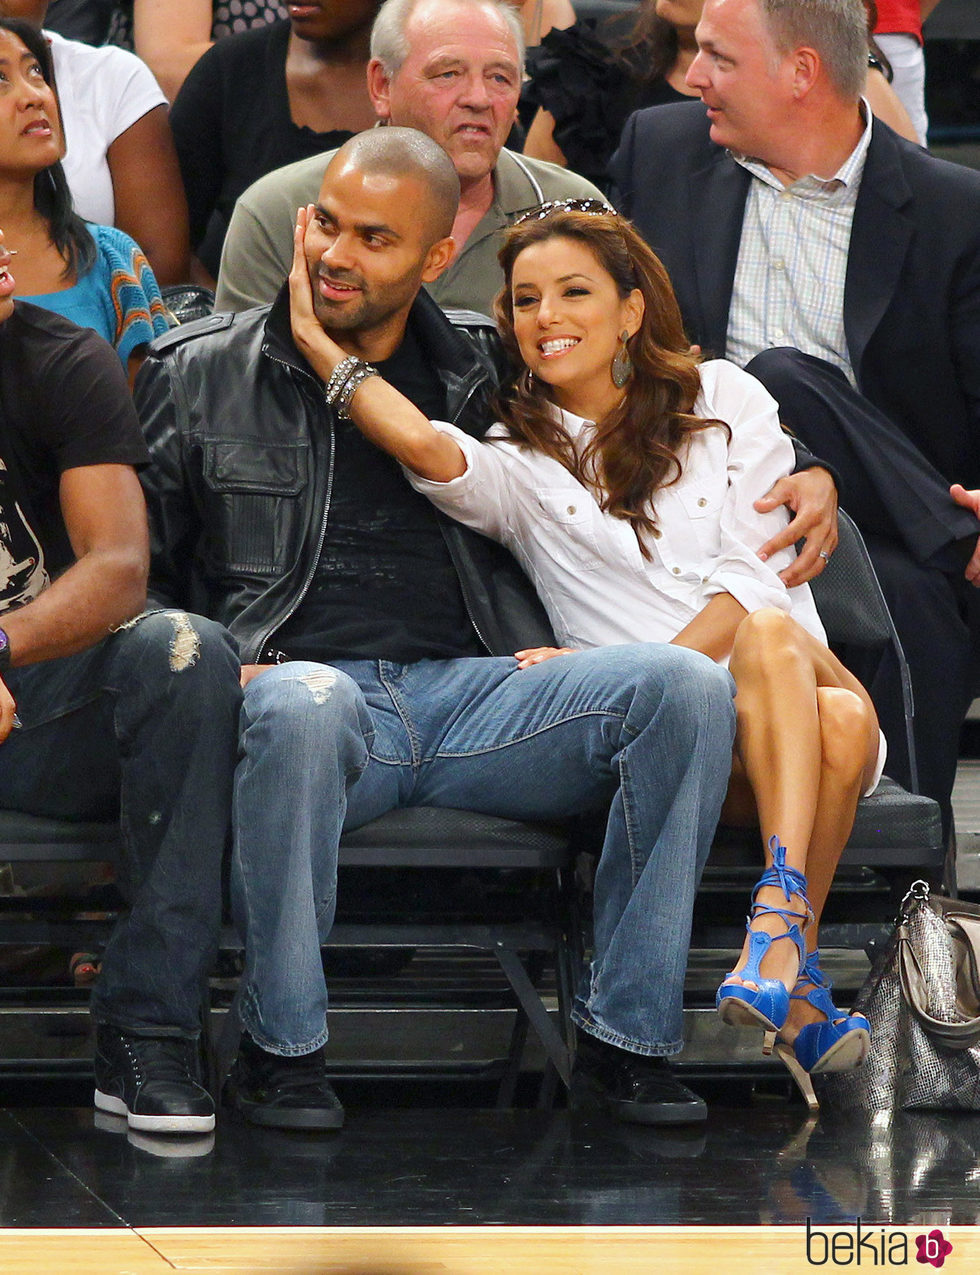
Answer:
(622, 364)
(527, 381)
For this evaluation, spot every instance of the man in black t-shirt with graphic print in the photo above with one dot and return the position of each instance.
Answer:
(103, 715)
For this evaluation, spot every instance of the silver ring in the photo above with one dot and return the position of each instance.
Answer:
(825, 556)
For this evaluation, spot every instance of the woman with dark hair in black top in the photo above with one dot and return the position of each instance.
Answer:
(584, 87)
(265, 98)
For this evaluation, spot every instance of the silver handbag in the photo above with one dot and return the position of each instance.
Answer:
(922, 999)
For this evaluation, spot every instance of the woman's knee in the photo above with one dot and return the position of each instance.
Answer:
(846, 729)
(765, 640)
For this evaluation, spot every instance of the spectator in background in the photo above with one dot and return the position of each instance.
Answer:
(170, 35)
(94, 275)
(120, 160)
(265, 98)
(451, 68)
(899, 33)
(585, 91)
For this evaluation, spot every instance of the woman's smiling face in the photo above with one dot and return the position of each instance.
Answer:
(569, 318)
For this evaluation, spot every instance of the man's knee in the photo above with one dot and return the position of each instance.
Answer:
(175, 643)
(787, 373)
(312, 701)
(675, 681)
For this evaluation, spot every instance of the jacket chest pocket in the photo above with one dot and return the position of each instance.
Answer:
(568, 527)
(258, 511)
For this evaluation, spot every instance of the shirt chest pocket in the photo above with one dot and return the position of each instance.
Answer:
(568, 530)
(258, 510)
(700, 506)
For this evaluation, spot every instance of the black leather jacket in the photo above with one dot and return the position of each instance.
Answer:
(238, 491)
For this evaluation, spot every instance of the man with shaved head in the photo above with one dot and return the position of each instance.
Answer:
(379, 640)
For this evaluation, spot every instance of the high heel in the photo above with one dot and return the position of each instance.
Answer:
(839, 1044)
(786, 1056)
(767, 1004)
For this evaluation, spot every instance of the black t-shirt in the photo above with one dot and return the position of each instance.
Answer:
(232, 124)
(64, 403)
(385, 586)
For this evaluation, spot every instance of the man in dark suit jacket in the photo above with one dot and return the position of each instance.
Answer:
(883, 380)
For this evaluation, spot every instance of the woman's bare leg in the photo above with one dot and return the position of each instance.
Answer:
(806, 740)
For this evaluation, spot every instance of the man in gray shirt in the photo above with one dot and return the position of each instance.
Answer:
(453, 69)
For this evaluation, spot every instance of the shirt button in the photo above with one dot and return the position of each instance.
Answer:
(701, 502)
(779, 264)
(676, 570)
(571, 509)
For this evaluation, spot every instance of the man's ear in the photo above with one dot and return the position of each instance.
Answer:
(806, 70)
(379, 89)
(438, 258)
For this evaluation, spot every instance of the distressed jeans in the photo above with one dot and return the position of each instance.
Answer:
(142, 727)
(646, 729)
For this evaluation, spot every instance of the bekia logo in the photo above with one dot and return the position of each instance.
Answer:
(873, 1247)
(933, 1248)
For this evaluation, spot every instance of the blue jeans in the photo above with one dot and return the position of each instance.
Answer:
(142, 727)
(647, 728)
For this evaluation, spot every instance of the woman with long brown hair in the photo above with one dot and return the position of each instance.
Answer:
(622, 475)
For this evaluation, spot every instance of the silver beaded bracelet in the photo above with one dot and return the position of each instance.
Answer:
(356, 379)
(338, 377)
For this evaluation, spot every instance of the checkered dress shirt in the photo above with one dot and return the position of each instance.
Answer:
(792, 262)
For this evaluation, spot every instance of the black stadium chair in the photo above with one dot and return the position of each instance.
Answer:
(420, 839)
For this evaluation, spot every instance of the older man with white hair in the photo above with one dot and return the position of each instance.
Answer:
(452, 69)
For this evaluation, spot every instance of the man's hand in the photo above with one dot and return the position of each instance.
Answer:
(538, 654)
(812, 498)
(969, 500)
(7, 711)
(320, 351)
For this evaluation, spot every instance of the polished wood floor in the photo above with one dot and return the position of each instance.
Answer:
(467, 1250)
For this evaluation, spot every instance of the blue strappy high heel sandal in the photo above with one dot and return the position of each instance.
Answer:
(767, 1004)
(839, 1044)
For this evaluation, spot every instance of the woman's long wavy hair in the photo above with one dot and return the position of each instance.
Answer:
(638, 448)
(52, 198)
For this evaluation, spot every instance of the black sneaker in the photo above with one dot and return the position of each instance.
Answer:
(151, 1080)
(282, 1092)
(632, 1087)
